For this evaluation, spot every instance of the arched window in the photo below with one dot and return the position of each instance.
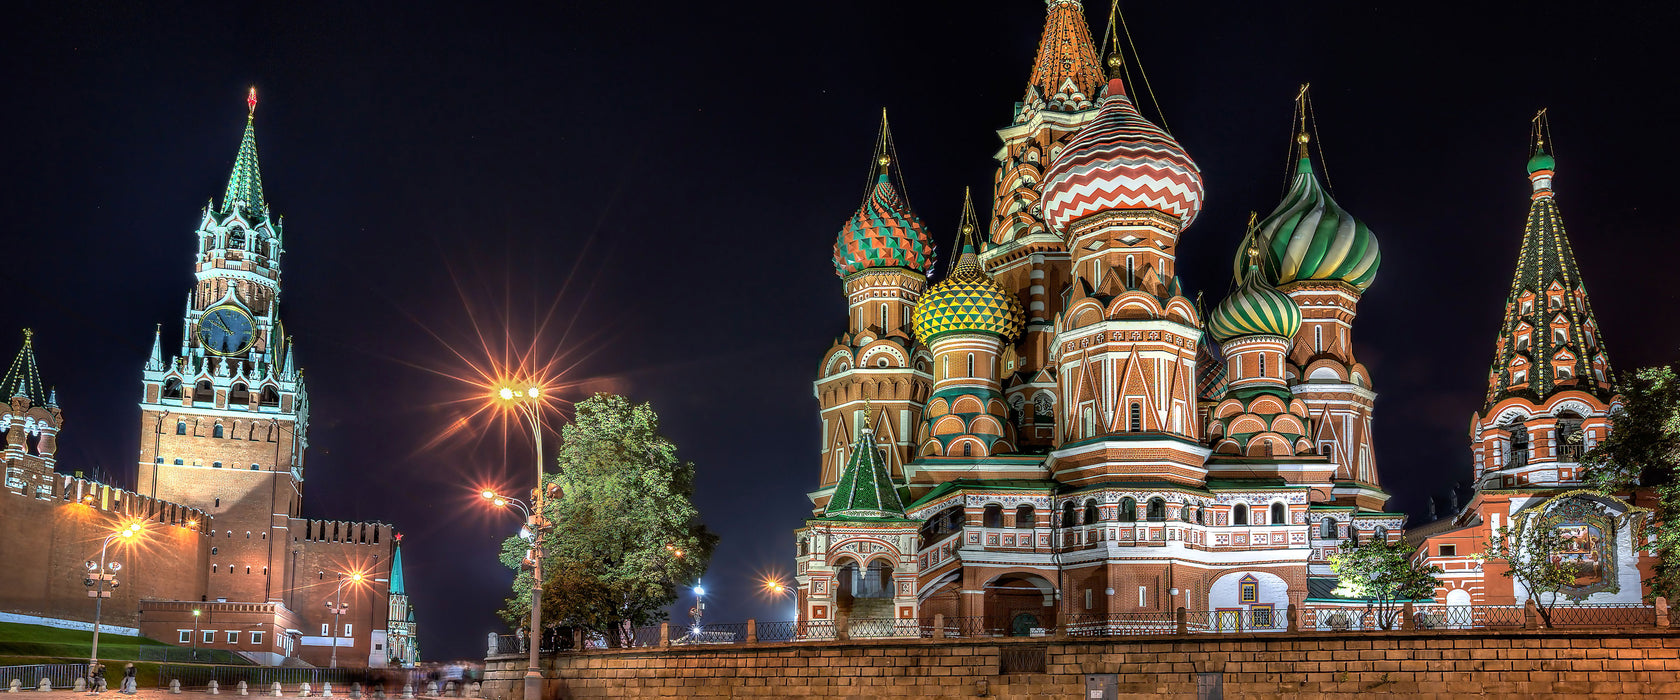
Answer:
(992, 516)
(178, 462)
(1131, 273)
(971, 364)
(217, 432)
(1262, 365)
(270, 396)
(1353, 533)
(968, 449)
(240, 396)
(181, 427)
(172, 388)
(885, 325)
(202, 391)
(255, 467)
(1318, 339)
(1067, 515)
(1090, 511)
(217, 465)
(1279, 517)
(1519, 445)
(1128, 510)
(1380, 534)
(1327, 528)
(1239, 514)
(1025, 517)
(1136, 416)
(1201, 516)
(1157, 510)
(1184, 513)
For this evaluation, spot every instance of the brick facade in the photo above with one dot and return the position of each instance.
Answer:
(1579, 663)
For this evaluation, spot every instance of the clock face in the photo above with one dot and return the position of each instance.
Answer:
(226, 330)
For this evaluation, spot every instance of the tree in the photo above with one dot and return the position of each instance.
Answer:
(625, 532)
(1384, 573)
(1643, 449)
(1530, 550)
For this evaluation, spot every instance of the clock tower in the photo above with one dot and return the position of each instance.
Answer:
(224, 419)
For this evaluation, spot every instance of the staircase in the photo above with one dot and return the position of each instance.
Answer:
(872, 617)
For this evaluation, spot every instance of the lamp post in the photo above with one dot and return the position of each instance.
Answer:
(98, 577)
(528, 403)
(338, 608)
(196, 612)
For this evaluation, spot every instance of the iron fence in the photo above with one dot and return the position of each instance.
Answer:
(507, 644)
(261, 678)
(1235, 621)
(1603, 615)
(716, 633)
(1122, 624)
(188, 655)
(780, 631)
(959, 627)
(882, 628)
(1464, 617)
(60, 675)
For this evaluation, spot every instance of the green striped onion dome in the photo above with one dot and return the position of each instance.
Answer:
(968, 301)
(883, 233)
(1254, 309)
(1310, 237)
(1541, 161)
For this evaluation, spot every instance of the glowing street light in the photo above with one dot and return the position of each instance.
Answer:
(528, 401)
(338, 608)
(101, 573)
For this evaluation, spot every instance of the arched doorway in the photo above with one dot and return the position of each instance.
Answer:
(865, 597)
(1020, 604)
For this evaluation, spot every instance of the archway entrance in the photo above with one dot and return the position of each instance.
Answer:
(1020, 605)
(865, 597)
(1023, 624)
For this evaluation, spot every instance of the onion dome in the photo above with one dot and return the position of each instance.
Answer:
(1120, 161)
(1541, 161)
(1255, 308)
(1310, 237)
(968, 300)
(883, 233)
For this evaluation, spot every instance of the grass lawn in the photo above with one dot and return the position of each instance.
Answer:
(55, 645)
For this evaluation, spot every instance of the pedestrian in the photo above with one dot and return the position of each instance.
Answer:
(130, 686)
(97, 673)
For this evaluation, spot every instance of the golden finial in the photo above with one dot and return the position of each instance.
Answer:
(251, 100)
(28, 337)
(883, 161)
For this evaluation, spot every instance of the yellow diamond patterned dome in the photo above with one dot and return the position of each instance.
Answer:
(968, 301)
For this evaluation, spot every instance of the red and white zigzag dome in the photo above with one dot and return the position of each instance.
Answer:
(1120, 161)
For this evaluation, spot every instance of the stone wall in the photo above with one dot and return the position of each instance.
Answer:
(1581, 662)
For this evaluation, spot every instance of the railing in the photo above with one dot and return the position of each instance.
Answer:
(960, 627)
(781, 631)
(60, 675)
(1602, 615)
(1570, 453)
(880, 628)
(717, 633)
(259, 679)
(1464, 617)
(1122, 624)
(1235, 621)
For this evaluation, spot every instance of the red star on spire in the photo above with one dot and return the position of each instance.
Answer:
(251, 99)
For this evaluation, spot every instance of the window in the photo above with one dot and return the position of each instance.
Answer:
(992, 516)
(1201, 518)
(1262, 616)
(971, 364)
(159, 460)
(254, 467)
(1136, 417)
(186, 636)
(1279, 516)
(1024, 516)
(1184, 513)
(1262, 365)
(217, 432)
(233, 638)
(326, 629)
(1087, 599)
(217, 465)
(1088, 420)
(178, 462)
(884, 323)
(1090, 511)
(256, 637)
(1327, 528)
(213, 549)
(1128, 510)
(1067, 515)
(209, 636)
(172, 388)
(1380, 534)
(181, 428)
(347, 632)
(1239, 515)
(1448, 550)
(1157, 511)
(1318, 339)
(1248, 589)
(1131, 274)
(1143, 596)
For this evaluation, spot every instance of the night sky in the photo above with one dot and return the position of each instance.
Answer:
(669, 178)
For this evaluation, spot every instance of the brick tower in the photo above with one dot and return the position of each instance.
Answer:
(223, 422)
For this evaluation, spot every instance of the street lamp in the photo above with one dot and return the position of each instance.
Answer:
(528, 402)
(98, 575)
(196, 611)
(339, 608)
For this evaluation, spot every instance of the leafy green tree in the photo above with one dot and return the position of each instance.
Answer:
(1643, 449)
(1530, 551)
(1384, 573)
(625, 532)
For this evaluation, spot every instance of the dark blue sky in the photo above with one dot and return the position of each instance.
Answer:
(685, 166)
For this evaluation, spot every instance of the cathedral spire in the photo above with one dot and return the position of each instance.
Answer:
(865, 490)
(244, 189)
(155, 362)
(397, 586)
(23, 379)
(1549, 341)
(1066, 75)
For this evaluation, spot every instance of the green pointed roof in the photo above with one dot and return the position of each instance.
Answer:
(22, 377)
(244, 188)
(397, 587)
(865, 490)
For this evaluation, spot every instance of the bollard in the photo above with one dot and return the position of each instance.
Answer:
(939, 625)
(213, 688)
(752, 630)
(274, 689)
(356, 691)
(45, 686)
(326, 690)
(16, 686)
(243, 689)
(1291, 618)
(1408, 617)
(450, 689)
(175, 686)
(80, 685)
(664, 635)
(408, 690)
(1181, 620)
(477, 690)
(303, 690)
(431, 689)
(1662, 611)
(102, 687)
(1531, 615)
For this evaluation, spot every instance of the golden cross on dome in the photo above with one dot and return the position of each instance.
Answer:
(28, 336)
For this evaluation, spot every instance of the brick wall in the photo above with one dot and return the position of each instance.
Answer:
(1595, 663)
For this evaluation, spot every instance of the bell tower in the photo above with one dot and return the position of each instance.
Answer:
(224, 420)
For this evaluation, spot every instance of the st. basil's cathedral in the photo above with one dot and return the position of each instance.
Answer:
(1056, 430)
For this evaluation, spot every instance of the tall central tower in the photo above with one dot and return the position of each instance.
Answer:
(223, 421)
